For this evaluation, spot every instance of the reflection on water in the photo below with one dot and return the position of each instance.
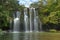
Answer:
(19, 36)
(15, 36)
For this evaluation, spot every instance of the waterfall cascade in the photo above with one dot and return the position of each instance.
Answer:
(31, 21)
(35, 20)
(26, 20)
(32, 15)
(16, 25)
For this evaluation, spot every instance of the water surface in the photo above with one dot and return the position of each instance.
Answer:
(19, 36)
(30, 36)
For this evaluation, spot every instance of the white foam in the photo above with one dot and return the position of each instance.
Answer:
(26, 31)
(31, 31)
(15, 32)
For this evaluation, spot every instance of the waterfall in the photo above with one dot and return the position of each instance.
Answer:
(31, 21)
(33, 16)
(31, 25)
(16, 26)
(35, 20)
(26, 20)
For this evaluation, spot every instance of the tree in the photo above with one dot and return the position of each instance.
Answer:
(7, 8)
(49, 11)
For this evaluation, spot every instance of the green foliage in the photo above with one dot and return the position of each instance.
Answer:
(49, 12)
(7, 8)
(52, 30)
(35, 5)
(53, 18)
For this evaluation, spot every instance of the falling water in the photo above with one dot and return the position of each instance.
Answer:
(33, 16)
(35, 20)
(31, 25)
(26, 20)
(16, 22)
(31, 21)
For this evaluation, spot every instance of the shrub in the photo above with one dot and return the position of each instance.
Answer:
(52, 30)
